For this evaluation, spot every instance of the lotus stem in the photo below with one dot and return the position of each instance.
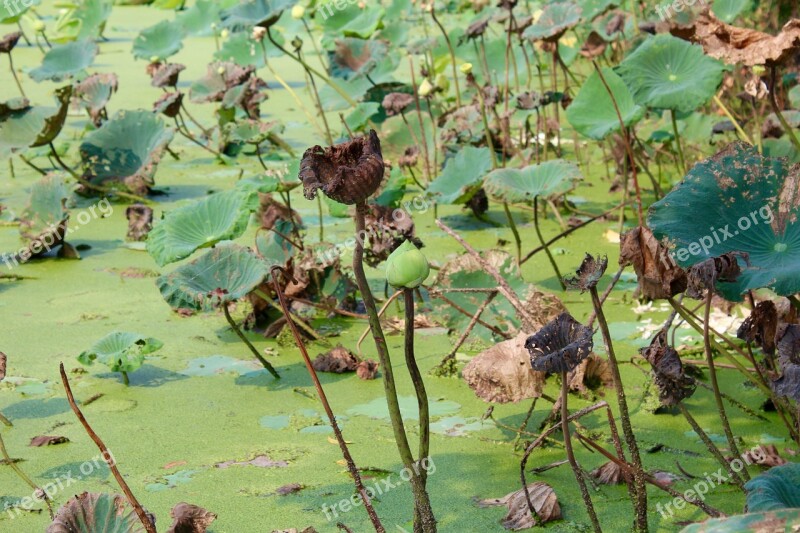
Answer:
(488, 133)
(544, 244)
(514, 230)
(638, 489)
(442, 367)
(125, 379)
(314, 44)
(452, 55)
(733, 120)
(5, 421)
(419, 384)
(23, 476)
(421, 123)
(244, 339)
(678, 145)
(715, 385)
(16, 78)
(318, 102)
(351, 465)
(149, 526)
(576, 469)
(773, 98)
(710, 445)
(321, 221)
(422, 506)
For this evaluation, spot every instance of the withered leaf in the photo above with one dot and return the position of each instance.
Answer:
(735, 45)
(659, 276)
(289, 488)
(588, 274)
(476, 29)
(140, 221)
(593, 372)
(3, 361)
(9, 41)
(788, 384)
(188, 518)
(543, 499)
(271, 211)
(672, 382)
(386, 232)
(338, 360)
(367, 369)
(167, 75)
(409, 157)
(706, 274)
(169, 104)
(46, 440)
(761, 326)
(97, 512)
(349, 172)
(503, 373)
(609, 473)
(560, 345)
(764, 455)
(594, 46)
(395, 103)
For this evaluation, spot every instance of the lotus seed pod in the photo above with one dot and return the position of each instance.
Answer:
(38, 26)
(221, 71)
(407, 267)
(425, 88)
(466, 68)
(155, 59)
(298, 11)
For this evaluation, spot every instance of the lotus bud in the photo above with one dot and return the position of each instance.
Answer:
(224, 34)
(406, 267)
(298, 11)
(221, 71)
(213, 25)
(259, 33)
(758, 70)
(443, 83)
(155, 59)
(38, 26)
(425, 88)
(466, 68)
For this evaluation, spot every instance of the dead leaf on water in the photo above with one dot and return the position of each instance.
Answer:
(543, 498)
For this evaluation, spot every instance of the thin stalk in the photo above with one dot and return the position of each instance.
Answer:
(318, 103)
(733, 120)
(773, 98)
(351, 465)
(244, 339)
(544, 244)
(107, 456)
(576, 469)
(489, 143)
(452, 55)
(715, 385)
(291, 92)
(419, 384)
(5, 421)
(297, 320)
(125, 378)
(24, 477)
(678, 145)
(421, 499)
(321, 223)
(421, 123)
(314, 44)
(442, 366)
(14, 73)
(710, 445)
(640, 489)
(514, 230)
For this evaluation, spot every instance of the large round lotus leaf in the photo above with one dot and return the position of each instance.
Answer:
(65, 60)
(352, 21)
(240, 48)
(777, 488)
(737, 201)
(94, 93)
(556, 18)
(121, 351)
(220, 217)
(592, 113)
(12, 16)
(160, 41)
(592, 8)
(356, 57)
(669, 73)
(45, 207)
(92, 512)
(520, 185)
(221, 275)
(462, 176)
(781, 520)
(86, 20)
(263, 13)
(20, 125)
(197, 20)
(729, 10)
(274, 249)
(127, 148)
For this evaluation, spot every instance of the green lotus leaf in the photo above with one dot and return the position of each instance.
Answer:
(352, 21)
(240, 48)
(555, 20)
(781, 520)
(522, 185)
(120, 351)
(197, 20)
(85, 21)
(592, 113)
(65, 60)
(777, 488)
(794, 96)
(12, 16)
(219, 217)
(94, 93)
(740, 202)
(359, 117)
(162, 40)
(92, 512)
(729, 10)
(263, 13)
(593, 8)
(168, 5)
(274, 249)
(126, 149)
(395, 189)
(221, 275)
(354, 58)
(45, 214)
(23, 126)
(462, 176)
(669, 73)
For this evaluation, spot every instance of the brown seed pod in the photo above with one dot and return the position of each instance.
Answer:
(560, 345)
(348, 173)
(672, 382)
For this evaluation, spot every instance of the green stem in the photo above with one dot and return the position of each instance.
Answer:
(514, 230)
(489, 143)
(773, 98)
(14, 73)
(544, 244)
(419, 384)
(244, 339)
(710, 445)
(678, 141)
(452, 55)
(125, 379)
(321, 223)
(23, 476)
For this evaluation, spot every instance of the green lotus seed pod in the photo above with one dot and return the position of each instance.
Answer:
(38, 26)
(406, 267)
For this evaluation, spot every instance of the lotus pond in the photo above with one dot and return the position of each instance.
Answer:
(279, 266)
